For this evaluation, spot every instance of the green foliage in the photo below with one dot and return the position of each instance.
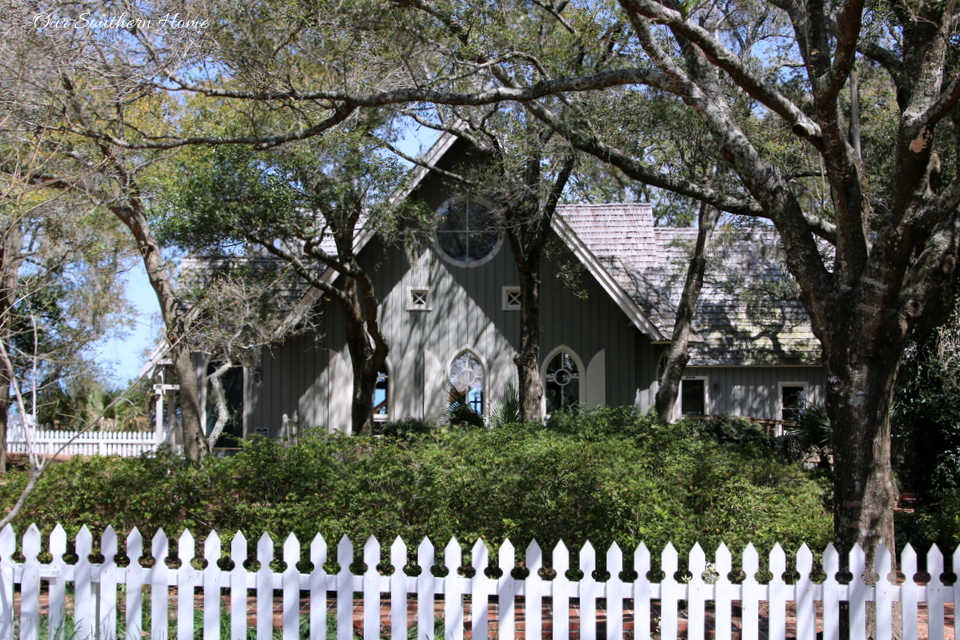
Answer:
(80, 402)
(607, 475)
(939, 520)
(505, 408)
(406, 429)
(926, 411)
(815, 428)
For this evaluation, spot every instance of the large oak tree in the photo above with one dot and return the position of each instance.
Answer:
(873, 260)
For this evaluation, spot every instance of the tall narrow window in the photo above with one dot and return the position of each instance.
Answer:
(693, 396)
(466, 381)
(793, 399)
(562, 382)
(381, 395)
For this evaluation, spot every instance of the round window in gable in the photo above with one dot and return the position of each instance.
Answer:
(467, 233)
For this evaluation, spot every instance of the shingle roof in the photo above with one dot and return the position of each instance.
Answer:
(748, 312)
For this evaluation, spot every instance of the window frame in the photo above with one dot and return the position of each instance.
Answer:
(788, 384)
(484, 371)
(505, 298)
(386, 417)
(581, 377)
(706, 398)
(446, 257)
(410, 299)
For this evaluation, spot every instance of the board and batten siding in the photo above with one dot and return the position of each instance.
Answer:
(755, 391)
(311, 375)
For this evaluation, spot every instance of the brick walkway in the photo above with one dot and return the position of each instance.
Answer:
(628, 624)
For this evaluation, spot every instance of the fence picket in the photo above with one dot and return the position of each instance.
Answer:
(135, 579)
(884, 593)
(30, 586)
(425, 592)
(398, 590)
(238, 588)
(95, 605)
(186, 583)
(777, 616)
(909, 591)
(562, 590)
(588, 593)
(533, 585)
(695, 588)
(371, 590)
(669, 594)
(954, 591)
(480, 588)
(84, 606)
(934, 595)
(211, 587)
(453, 592)
(344, 590)
(751, 594)
(831, 594)
(109, 579)
(159, 583)
(641, 593)
(291, 588)
(615, 593)
(804, 596)
(724, 594)
(858, 594)
(57, 586)
(87, 443)
(264, 582)
(318, 589)
(8, 546)
(506, 592)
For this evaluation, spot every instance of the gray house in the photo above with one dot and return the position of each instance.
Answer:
(451, 316)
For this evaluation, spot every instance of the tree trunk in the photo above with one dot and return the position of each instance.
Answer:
(174, 315)
(11, 258)
(527, 359)
(4, 419)
(367, 359)
(190, 406)
(677, 356)
(858, 398)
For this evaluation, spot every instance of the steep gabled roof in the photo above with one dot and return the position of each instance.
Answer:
(748, 312)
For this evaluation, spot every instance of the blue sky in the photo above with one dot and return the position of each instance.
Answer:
(122, 358)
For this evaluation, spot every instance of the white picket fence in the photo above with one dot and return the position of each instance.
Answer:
(97, 601)
(86, 443)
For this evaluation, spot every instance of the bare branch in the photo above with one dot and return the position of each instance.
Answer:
(725, 59)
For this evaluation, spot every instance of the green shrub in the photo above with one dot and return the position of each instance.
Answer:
(939, 521)
(735, 430)
(604, 476)
(406, 428)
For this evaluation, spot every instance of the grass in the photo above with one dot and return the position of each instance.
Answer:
(67, 629)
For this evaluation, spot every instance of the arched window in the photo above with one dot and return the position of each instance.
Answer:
(562, 381)
(466, 381)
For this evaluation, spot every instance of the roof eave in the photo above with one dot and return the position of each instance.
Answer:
(607, 281)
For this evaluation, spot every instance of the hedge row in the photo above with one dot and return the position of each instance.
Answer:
(607, 476)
